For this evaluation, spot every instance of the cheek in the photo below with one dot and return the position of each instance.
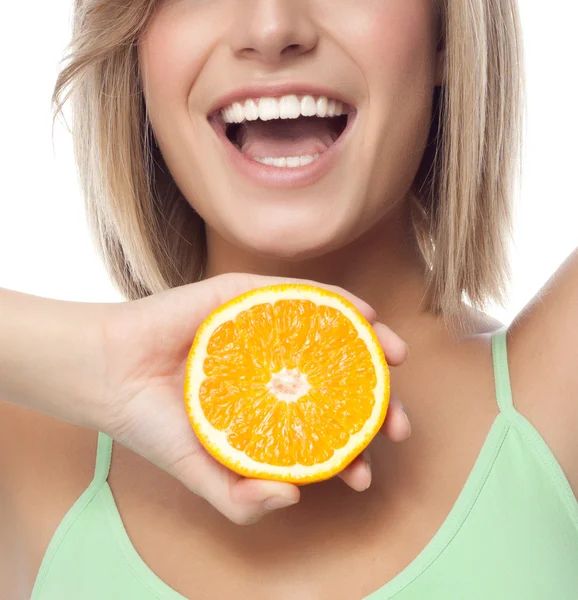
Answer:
(399, 47)
(172, 54)
(398, 57)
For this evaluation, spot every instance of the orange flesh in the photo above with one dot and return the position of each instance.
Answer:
(288, 382)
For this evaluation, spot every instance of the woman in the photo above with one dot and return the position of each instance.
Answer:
(404, 201)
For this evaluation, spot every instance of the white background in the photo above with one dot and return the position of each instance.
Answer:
(44, 243)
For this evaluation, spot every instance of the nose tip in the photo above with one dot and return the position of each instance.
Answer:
(273, 30)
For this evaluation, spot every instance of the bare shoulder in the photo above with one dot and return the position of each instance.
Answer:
(543, 360)
(45, 465)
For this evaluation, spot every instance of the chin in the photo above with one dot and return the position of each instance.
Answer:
(290, 243)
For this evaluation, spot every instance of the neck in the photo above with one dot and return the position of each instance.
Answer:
(383, 267)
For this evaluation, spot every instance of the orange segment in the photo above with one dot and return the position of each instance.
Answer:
(286, 382)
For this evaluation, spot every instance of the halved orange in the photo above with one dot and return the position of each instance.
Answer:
(286, 382)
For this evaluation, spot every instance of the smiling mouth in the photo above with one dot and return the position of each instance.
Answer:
(286, 132)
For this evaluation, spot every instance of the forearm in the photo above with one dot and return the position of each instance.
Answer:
(51, 354)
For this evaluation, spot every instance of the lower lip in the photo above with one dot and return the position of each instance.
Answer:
(286, 177)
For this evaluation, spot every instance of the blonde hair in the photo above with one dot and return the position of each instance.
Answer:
(151, 239)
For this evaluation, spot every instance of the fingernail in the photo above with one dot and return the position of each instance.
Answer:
(367, 458)
(406, 417)
(370, 477)
(276, 502)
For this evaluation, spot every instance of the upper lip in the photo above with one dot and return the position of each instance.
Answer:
(275, 91)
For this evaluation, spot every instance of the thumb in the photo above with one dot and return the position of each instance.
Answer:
(243, 501)
(255, 498)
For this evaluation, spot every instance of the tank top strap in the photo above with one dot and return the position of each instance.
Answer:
(501, 372)
(103, 458)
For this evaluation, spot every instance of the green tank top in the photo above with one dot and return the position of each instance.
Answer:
(512, 533)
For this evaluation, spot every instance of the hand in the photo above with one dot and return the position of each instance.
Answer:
(146, 346)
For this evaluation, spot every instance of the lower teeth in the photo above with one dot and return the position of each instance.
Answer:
(288, 162)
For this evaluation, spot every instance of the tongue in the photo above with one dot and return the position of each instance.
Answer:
(291, 137)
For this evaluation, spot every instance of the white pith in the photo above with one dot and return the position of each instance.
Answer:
(288, 385)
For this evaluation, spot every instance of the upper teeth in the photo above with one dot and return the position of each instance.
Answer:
(287, 107)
